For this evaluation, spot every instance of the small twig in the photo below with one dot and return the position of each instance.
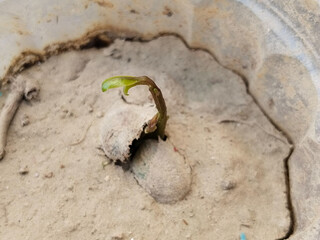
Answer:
(20, 88)
(83, 136)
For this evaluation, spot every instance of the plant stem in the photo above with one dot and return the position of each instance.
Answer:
(161, 117)
(158, 123)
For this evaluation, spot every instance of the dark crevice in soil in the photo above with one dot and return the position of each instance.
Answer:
(105, 39)
(289, 201)
(97, 42)
(285, 160)
(135, 146)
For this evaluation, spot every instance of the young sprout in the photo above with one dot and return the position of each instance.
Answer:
(158, 122)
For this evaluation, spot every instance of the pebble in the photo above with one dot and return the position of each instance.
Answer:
(24, 120)
(116, 54)
(107, 178)
(66, 113)
(228, 185)
(24, 170)
(117, 237)
(90, 109)
(49, 175)
(105, 162)
(99, 114)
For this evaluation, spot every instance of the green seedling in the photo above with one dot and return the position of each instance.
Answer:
(156, 124)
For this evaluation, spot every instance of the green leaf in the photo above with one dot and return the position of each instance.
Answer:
(126, 82)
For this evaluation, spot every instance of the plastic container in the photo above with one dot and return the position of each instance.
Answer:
(273, 45)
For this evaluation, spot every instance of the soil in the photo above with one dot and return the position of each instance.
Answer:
(56, 183)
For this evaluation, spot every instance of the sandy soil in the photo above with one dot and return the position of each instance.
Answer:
(235, 153)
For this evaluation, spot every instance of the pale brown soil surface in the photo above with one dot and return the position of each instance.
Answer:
(235, 154)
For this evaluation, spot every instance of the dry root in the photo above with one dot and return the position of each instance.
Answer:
(22, 87)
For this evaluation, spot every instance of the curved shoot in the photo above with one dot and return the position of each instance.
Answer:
(159, 121)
